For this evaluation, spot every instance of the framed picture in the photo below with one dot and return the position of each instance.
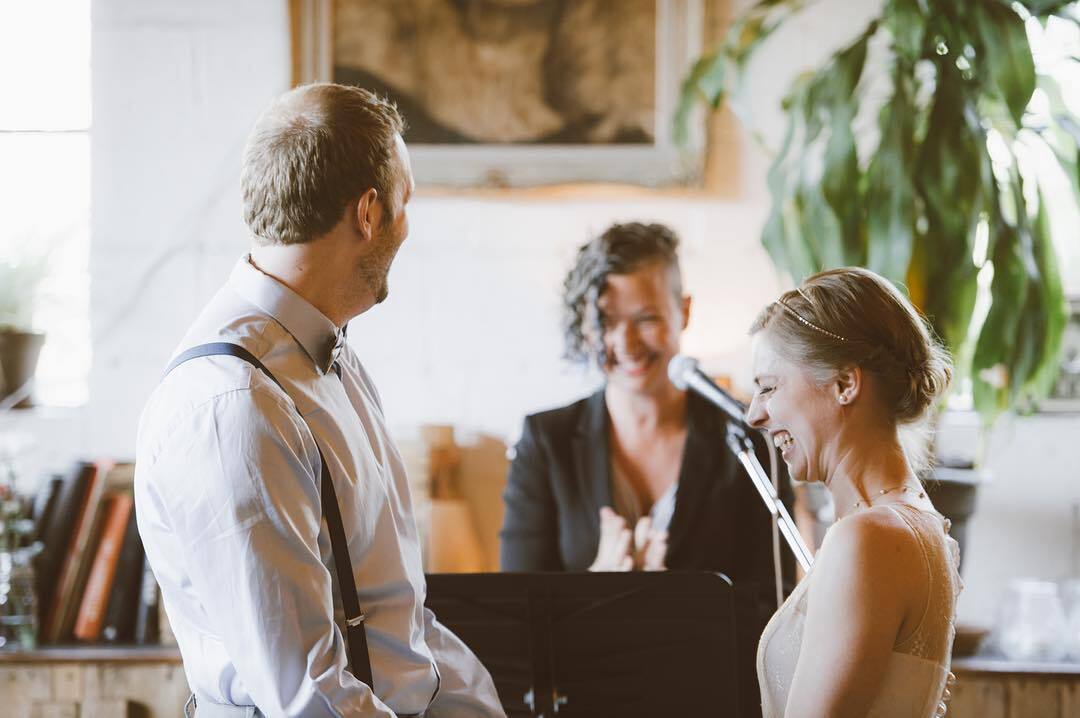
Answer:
(517, 93)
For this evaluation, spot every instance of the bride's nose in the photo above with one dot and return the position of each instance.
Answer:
(756, 415)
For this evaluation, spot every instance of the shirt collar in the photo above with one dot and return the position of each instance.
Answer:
(318, 336)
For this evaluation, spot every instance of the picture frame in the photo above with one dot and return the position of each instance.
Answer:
(660, 162)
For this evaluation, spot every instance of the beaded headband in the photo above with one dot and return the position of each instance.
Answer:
(806, 321)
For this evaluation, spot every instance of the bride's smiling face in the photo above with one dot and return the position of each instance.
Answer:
(798, 412)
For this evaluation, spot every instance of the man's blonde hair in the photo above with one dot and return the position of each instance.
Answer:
(315, 149)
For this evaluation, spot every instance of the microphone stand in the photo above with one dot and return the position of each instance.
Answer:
(741, 445)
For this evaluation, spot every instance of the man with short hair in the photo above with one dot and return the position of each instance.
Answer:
(244, 459)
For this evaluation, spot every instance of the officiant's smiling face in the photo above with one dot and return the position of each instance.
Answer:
(641, 320)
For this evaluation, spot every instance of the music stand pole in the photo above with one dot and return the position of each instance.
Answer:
(742, 447)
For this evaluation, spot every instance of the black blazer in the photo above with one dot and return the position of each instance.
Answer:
(560, 476)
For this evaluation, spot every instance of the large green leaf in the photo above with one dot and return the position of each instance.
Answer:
(1062, 136)
(756, 24)
(775, 235)
(948, 179)
(905, 21)
(708, 80)
(995, 347)
(789, 246)
(1027, 341)
(704, 83)
(774, 239)
(911, 214)
(1042, 8)
(841, 174)
(819, 227)
(1031, 329)
(949, 165)
(1004, 59)
(890, 197)
(1052, 306)
(821, 108)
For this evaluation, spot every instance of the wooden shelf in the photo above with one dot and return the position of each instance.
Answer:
(93, 654)
(1003, 666)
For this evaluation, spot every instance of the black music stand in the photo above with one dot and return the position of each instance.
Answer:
(598, 644)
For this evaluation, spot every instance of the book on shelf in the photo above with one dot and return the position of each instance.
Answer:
(84, 558)
(94, 581)
(45, 505)
(55, 533)
(91, 614)
(69, 534)
(146, 619)
(122, 608)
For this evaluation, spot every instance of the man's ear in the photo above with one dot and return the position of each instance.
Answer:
(848, 384)
(368, 214)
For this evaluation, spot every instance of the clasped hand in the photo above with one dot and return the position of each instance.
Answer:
(643, 549)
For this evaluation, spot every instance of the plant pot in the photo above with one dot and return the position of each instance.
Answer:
(953, 492)
(19, 352)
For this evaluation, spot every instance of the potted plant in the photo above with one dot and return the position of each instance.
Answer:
(943, 197)
(20, 345)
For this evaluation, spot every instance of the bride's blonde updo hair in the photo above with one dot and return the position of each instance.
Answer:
(852, 316)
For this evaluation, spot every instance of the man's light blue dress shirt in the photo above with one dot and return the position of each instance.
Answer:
(228, 504)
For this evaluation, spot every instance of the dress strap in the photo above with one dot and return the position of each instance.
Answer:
(925, 551)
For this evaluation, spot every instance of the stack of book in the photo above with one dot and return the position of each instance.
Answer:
(94, 584)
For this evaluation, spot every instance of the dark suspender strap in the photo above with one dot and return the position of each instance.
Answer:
(217, 349)
(359, 660)
(354, 618)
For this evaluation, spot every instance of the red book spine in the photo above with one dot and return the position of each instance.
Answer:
(99, 584)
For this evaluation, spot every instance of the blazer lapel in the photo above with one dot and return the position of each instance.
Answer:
(591, 463)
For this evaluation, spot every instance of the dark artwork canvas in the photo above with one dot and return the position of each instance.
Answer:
(573, 72)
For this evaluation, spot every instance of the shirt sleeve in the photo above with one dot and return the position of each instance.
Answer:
(238, 480)
(465, 686)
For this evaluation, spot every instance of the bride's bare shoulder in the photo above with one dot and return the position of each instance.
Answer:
(875, 540)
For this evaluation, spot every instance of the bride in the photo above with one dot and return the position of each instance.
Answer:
(843, 366)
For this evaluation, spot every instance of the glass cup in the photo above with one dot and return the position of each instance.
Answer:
(1032, 622)
(1070, 590)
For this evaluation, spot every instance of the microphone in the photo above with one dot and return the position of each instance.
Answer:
(685, 373)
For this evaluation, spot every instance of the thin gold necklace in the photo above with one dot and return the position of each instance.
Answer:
(902, 488)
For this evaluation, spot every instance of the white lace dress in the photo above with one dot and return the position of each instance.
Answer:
(918, 669)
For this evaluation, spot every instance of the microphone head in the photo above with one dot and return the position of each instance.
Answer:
(680, 369)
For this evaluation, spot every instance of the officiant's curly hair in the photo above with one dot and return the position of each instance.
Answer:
(313, 151)
(620, 249)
